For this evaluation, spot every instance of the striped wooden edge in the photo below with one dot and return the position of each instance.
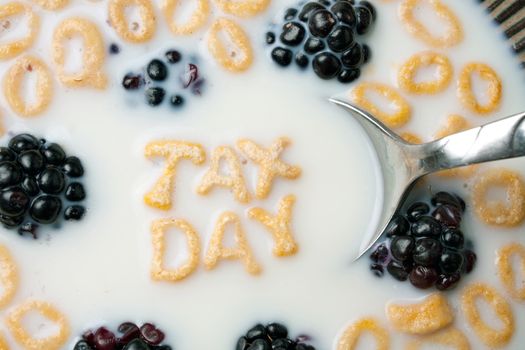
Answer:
(510, 16)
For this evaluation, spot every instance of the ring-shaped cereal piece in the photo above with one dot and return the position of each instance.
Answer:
(8, 277)
(407, 73)
(3, 343)
(452, 338)
(453, 35)
(506, 271)
(392, 120)
(117, 17)
(236, 61)
(93, 56)
(411, 138)
(244, 8)
(466, 92)
(488, 335)
(13, 48)
(13, 82)
(196, 21)
(52, 5)
(15, 324)
(496, 212)
(350, 337)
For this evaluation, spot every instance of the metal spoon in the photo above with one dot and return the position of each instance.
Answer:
(403, 163)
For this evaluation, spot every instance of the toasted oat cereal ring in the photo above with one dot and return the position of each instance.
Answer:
(238, 59)
(3, 343)
(500, 213)
(506, 270)
(117, 17)
(431, 314)
(15, 324)
(488, 335)
(452, 338)
(453, 34)
(8, 277)
(13, 83)
(13, 48)
(393, 120)
(52, 5)
(466, 93)
(411, 138)
(243, 8)
(196, 21)
(93, 56)
(351, 335)
(407, 74)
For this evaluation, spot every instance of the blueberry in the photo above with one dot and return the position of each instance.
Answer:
(28, 227)
(72, 167)
(23, 142)
(270, 38)
(114, 49)
(157, 70)
(10, 174)
(326, 65)
(177, 100)
(155, 96)
(53, 153)
(301, 60)
(75, 192)
(276, 330)
(321, 23)
(260, 344)
(448, 215)
(452, 238)
(129, 331)
(6, 154)
(137, 344)
(364, 19)
(445, 198)
(283, 343)
(308, 9)
(353, 57)
(381, 254)
(292, 33)
(367, 53)
(290, 14)
(370, 7)
(450, 261)
(31, 161)
(340, 39)
(417, 210)
(173, 56)
(348, 75)
(423, 277)
(132, 81)
(377, 269)
(74, 212)
(51, 181)
(446, 282)
(11, 221)
(30, 186)
(256, 332)
(13, 201)
(397, 226)
(104, 339)
(426, 226)
(470, 260)
(45, 209)
(82, 345)
(399, 270)
(344, 11)
(402, 247)
(427, 252)
(282, 56)
(242, 344)
(314, 45)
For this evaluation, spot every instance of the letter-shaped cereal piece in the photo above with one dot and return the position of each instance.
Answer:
(506, 270)
(159, 229)
(8, 277)
(15, 325)
(408, 72)
(491, 337)
(93, 56)
(237, 57)
(117, 17)
(161, 193)
(351, 335)
(279, 225)
(11, 49)
(431, 314)
(242, 251)
(52, 5)
(466, 92)
(14, 79)
(196, 21)
(270, 165)
(234, 181)
(452, 338)
(243, 8)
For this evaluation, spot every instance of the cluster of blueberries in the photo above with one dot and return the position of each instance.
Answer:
(273, 336)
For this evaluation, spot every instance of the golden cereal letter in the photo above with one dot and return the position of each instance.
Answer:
(11, 49)
(15, 324)
(452, 36)
(236, 57)
(243, 8)
(159, 229)
(488, 335)
(270, 165)
(500, 213)
(408, 72)
(52, 5)
(350, 338)
(515, 285)
(117, 17)
(161, 193)
(466, 92)
(452, 338)
(279, 225)
(429, 315)
(13, 85)
(196, 21)
(392, 120)
(8, 277)
(242, 251)
(234, 180)
(93, 53)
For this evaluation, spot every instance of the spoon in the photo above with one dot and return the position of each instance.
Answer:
(403, 163)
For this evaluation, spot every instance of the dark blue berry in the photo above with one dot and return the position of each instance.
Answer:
(242, 344)
(426, 226)
(364, 19)
(155, 96)
(321, 23)
(349, 75)
(104, 339)
(256, 332)
(114, 49)
(28, 228)
(377, 269)
(447, 282)
(397, 226)
(173, 56)
(282, 56)
(75, 192)
(157, 70)
(423, 277)
(344, 11)
(30, 186)
(380, 254)
(276, 331)
(74, 213)
(470, 260)
(11, 221)
(10, 174)
(367, 53)
(399, 270)
(340, 39)
(370, 7)
(53, 153)
(13, 201)
(270, 38)
(283, 343)
(51, 181)
(417, 210)
(402, 247)
(308, 9)
(427, 252)
(23, 142)
(452, 238)
(290, 14)
(72, 167)
(132, 81)
(353, 57)
(177, 100)
(260, 344)
(314, 45)
(82, 345)
(137, 344)
(326, 65)
(45, 209)
(301, 60)
(292, 33)
(31, 161)
(450, 261)
(448, 215)
(6, 154)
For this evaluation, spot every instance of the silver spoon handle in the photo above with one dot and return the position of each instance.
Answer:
(498, 140)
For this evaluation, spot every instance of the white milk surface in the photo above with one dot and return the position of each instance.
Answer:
(97, 271)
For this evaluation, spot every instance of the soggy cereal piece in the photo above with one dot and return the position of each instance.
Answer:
(270, 165)
(411, 138)
(515, 285)
(351, 335)
(3, 343)
(507, 213)
(8, 277)
(196, 21)
(242, 251)
(451, 337)
(13, 84)
(431, 314)
(392, 120)
(15, 324)
(488, 335)
(279, 225)
(117, 18)
(160, 195)
(408, 72)
(52, 5)
(236, 56)
(243, 8)
(93, 57)
(11, 49)
(234, 180)
(452, 36)
(466, 92)
(159, 230)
